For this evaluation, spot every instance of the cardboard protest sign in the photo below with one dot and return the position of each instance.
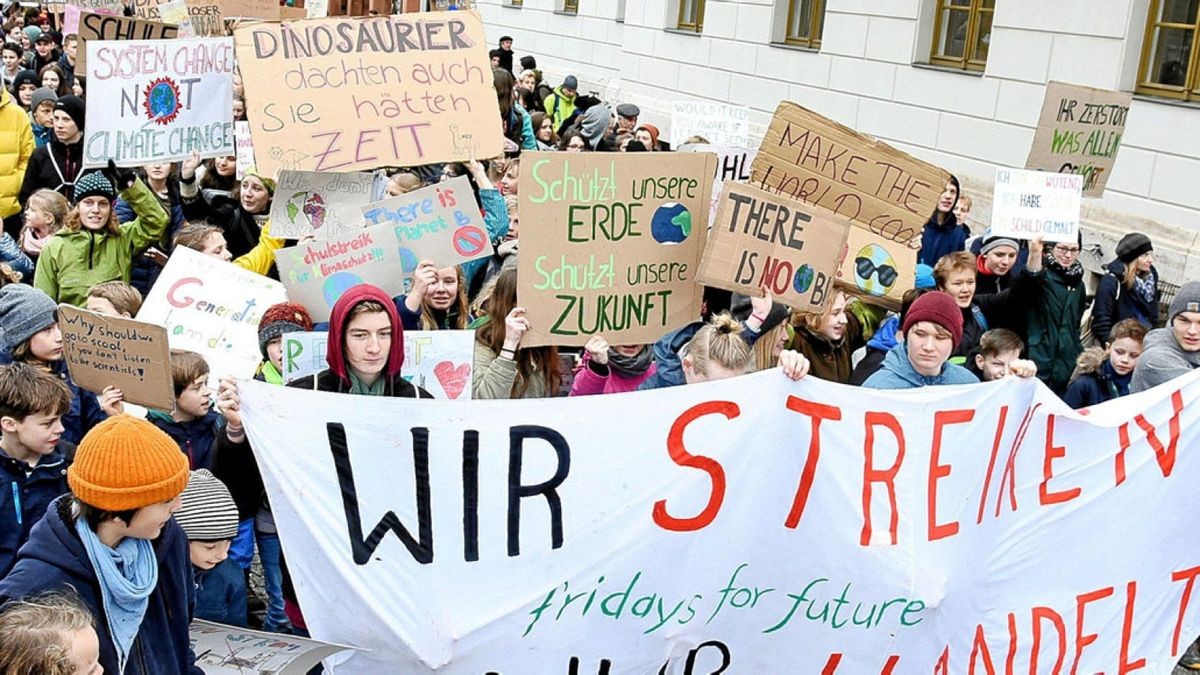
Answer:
(832, 547)
(100, 26)
(206, 17)
(441, 223)
(733, 164)
(317, 273)
(267, 10)
(133, 356)
(610, 244)
(158, 100)
(439, 361)
(762, 240)
(71, 14)
(325, 205)
(212, 307)
(228, 650)
(245, 147)
(176, 12)
(101, 6)
(1080, 132)
(876, 269)
(348, 93)
(1029, 204)
(718, 123)
(818, 161)
(316, 9)
(292, 13)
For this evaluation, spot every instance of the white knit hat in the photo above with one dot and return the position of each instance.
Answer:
(208, 512)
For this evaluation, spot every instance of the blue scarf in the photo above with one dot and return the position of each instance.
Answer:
(127, 576)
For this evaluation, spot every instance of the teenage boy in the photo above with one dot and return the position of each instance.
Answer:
(209, 518)
(193, 423)
(33, 458)
(113, 541)
(1174, 350)
(931, 329)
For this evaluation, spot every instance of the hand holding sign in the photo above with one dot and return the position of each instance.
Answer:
(515, 326)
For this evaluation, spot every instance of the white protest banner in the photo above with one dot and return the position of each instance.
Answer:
(717, 123)
(212, 307)
(245, 147)
(800, 528)
(158, 100)
(318, 272)
(95, 26)
(440, 222)
(1029, 204)
(325, 205)
(229, 650)
(439, 361)
(733, 164)
(303, 354)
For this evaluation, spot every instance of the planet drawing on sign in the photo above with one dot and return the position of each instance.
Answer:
(337, 284)
(803, 279)
(408, 260)
(311, 204)
(161, 100)
(875, 270)
(671, 223)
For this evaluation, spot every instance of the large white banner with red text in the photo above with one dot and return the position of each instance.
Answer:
(751, 525)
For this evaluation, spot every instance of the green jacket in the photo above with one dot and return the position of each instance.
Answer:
(74, 261)
(1053, 328)
(559, 107)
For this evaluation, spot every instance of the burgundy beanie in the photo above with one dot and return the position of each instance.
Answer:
(936, 307)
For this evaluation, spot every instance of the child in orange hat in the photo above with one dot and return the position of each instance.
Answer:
(114, 542)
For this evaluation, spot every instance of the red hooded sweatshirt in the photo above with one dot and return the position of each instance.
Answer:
(335, 355)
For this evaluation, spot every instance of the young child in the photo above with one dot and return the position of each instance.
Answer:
(114, 298)
(45, 213)
(208, 239)
(33, 459)
(209, 518)
(277, 321)
(113, 540)
(1104, 374)
(51, 634)
(29, 334)
(193, 423)
(41, 115)
(999, 351)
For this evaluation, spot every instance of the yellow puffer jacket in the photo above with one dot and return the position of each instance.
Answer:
(16, 145)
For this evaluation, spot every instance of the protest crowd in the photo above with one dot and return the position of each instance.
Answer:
(122, 521)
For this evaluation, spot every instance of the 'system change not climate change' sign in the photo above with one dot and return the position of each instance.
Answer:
(611, 244)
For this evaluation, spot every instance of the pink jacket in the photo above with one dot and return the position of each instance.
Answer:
(587, 382)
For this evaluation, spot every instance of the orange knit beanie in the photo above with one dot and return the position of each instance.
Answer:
(126, 463)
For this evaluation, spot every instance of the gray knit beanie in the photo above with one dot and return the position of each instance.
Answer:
(1187, 299)
(208, 512)
(41, 96)
(24, 311)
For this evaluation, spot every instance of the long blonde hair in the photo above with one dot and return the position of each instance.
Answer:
(458, 309)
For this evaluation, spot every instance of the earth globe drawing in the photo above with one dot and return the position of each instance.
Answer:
(311, 204)
(408, 260)
(337, 284)
(671, 223)
(161, 101)
(803, 279)
(875, 270)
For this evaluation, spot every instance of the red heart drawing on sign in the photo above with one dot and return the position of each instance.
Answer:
(453, 378)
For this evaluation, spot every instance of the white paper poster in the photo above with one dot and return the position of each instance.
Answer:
(733, 165)
(158, 100)
(325, 205)
(245, 148)
(748, 525)
(720, 124)
(1028, 204)
(229, 650)
(212, 307)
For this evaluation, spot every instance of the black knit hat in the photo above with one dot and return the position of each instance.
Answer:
(1132, 246)
(73, 106)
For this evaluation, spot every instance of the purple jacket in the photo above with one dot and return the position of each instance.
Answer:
(589, 382)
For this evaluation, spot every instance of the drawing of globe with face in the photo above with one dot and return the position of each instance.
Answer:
(671, 223)
(875, 270)
(337, 284)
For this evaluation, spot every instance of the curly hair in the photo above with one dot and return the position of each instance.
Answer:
(35, 634)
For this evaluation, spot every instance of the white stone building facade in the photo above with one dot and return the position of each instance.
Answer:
(872, 71)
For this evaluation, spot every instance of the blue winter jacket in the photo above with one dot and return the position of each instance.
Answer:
(897, 372)
(24, 498)
(196, 438)
(54, 559)
(495, 217)
(1097, 386)
(11, 253)
(938, 240)
(668, 366)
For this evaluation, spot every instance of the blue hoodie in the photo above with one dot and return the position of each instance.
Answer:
(938, 240)
(54, 558)
(898, 373)
(196, 438)
(24, 496)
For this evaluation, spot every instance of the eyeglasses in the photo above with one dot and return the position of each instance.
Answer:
(866, 268)
(1067, 250)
